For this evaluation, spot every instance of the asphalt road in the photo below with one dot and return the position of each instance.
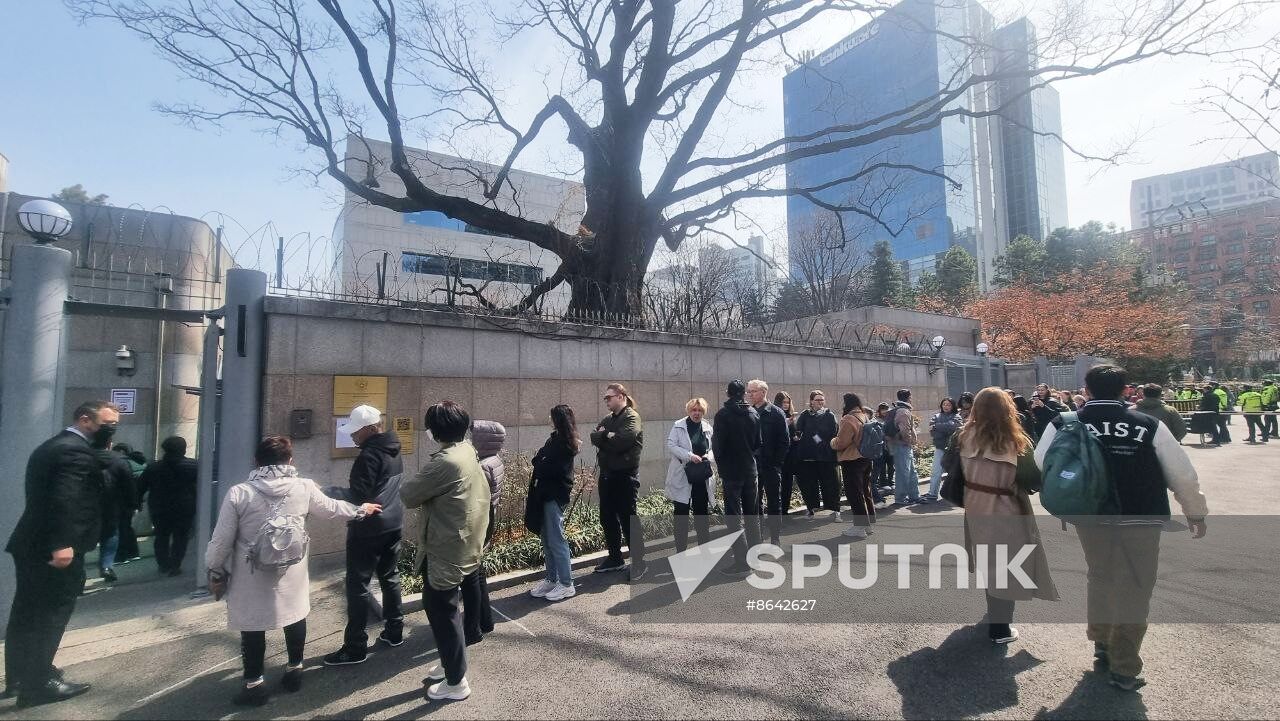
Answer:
(588, 657)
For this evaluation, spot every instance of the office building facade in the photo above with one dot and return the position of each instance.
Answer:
(1171, 198)
(1004, 174)
(431, 258)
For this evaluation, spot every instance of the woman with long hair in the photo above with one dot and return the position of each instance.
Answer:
(997, 512)
(942, 427)
(548, 497)
(782, 399)
(816, 427)
(855, 469)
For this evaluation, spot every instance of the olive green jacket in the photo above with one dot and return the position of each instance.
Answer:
(622, 451)
(454, 496)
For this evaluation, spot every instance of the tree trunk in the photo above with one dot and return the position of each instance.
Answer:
(608, 276)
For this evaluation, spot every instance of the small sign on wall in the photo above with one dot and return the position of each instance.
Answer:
(403, 428)
(126, 399)
(352, 391)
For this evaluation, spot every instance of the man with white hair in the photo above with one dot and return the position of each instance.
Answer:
(775, 441)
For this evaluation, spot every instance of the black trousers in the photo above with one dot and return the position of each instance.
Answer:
(1224, 434)
(999, 616)
(43, 600)
(823, 485)
(253, 648)
(1254, 421)
(618, 493)
(700, 505)
(1269, 425)
(172, 535)
(789, 483)
(444, 614)
(772, 499)
(857, 487)
(739, 510)
(477, 614)
(128, 547)
(367, 557)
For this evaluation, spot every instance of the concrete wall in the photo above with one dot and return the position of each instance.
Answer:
(514, 373)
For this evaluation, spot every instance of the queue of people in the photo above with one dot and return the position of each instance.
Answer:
(257, 556)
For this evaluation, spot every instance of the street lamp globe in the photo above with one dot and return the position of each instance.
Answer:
(983, 348)
(938, 341)
(904, 347)
(45, 220)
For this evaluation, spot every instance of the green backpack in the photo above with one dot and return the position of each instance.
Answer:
(1076, 482)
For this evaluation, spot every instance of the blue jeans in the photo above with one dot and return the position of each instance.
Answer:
(906, 485)
(935, 480)
(554, 547)
(107, 552)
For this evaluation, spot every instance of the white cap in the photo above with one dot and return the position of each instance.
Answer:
(361, 416)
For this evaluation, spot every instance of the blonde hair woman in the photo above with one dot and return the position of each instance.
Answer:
(997, 512)
(689, 474)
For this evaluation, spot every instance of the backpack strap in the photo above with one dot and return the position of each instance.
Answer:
(1061, 420)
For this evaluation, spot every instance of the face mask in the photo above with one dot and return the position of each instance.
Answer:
(102, 436)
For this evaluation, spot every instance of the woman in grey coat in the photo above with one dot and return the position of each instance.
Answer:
(261, 600)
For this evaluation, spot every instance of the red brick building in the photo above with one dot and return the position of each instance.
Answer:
(1228, 262)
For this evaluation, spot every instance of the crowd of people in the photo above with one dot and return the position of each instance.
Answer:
(759, 450)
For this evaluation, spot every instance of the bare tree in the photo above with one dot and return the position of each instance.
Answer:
(648, 85)
(1248, 103)
(694, 292)
(829, 266)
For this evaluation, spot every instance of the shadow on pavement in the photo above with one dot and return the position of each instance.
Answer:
(1093, 698)
(963, 677)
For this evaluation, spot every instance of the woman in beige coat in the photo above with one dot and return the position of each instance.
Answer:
(263, 600)
(997, 512)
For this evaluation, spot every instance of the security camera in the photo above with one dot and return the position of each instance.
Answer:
(125, 361)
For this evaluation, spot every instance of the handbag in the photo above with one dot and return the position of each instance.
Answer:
(952, 474)
(698, 472)
(533, 508)
(1028, 477)
(141, 521)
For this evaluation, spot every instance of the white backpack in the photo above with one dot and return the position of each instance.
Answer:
(282, 540)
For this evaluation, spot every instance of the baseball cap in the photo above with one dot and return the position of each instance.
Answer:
(361, 416)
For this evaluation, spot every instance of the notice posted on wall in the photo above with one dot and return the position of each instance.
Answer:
(126, 399)
(403, 427)
(341, 440)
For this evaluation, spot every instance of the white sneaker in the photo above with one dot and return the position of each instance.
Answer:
(434, 674)
(544, 587)
(444, 692)
(855, 532)
(560, 593)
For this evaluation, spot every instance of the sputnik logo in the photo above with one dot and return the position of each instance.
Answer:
(692, 566)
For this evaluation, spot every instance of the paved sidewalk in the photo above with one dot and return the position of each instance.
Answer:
(151, 652)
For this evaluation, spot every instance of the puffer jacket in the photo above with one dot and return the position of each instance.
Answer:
(942, 426)
(488, 438)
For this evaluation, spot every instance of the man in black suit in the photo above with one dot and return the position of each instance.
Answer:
(59, 524)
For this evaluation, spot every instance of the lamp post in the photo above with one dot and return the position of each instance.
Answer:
(33, 358)
(983, 349)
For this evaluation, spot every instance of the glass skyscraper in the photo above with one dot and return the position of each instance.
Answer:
(972, 182)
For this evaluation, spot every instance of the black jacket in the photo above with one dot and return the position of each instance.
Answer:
(822, 424)
(775, 437)
(64, 485)
(1132, 464)
(119, 492)
(170, 485)
(735, 437)
(552, 472)
(1045, 414)
(375, 478)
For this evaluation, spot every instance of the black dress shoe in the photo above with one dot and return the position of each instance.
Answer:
(109, 575)
(11, 687)
(50, 691)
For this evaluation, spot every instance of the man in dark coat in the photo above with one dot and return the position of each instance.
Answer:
(373, 544)
(775, 441)
(735, 438)
(171, 487)
(119, 495)
(60, 523)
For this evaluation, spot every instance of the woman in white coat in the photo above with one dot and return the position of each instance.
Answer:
(690, 478)
(260, 600)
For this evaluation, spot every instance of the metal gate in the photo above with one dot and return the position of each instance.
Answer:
(1062, 377)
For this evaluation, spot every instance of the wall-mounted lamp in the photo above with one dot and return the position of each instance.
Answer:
(125, 358)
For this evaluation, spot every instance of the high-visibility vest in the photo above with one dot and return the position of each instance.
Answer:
(1250, 402)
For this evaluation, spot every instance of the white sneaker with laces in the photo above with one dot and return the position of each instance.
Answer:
(561, 592)
(544, 587)
(444, 692)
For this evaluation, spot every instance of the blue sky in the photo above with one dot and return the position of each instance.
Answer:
(78, 109)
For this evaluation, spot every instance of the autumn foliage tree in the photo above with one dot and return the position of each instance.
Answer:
(1097, 313)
